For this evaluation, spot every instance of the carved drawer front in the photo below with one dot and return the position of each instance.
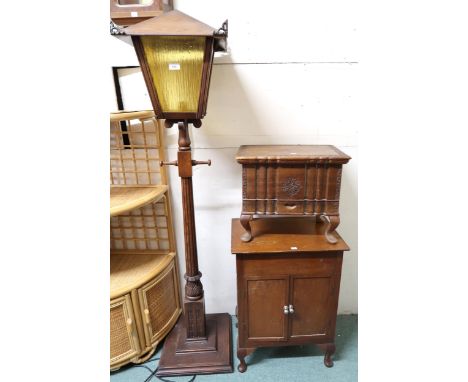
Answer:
(311, 298)
(124, 342)
(160, 305)
(265, 300)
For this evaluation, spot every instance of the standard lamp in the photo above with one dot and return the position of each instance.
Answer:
(176, 52)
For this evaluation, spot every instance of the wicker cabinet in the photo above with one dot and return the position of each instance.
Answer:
(288, 282)
(144, 283)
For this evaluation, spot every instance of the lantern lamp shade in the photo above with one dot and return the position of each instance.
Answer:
(175, 53)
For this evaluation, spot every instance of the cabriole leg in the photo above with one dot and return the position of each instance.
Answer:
(332, 222)
(241, 354)
(245, 222)
(329, 351)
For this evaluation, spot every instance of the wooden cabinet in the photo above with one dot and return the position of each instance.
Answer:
(291, 180)
(288, 282)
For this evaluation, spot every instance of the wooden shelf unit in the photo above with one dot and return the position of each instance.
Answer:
(144, 280)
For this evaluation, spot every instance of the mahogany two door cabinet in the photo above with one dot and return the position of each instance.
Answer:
(288, 281)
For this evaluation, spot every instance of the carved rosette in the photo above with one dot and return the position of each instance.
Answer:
(291, 186)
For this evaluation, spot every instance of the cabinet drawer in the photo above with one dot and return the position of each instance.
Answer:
(160, 305)
(279, 264)
(292, 207)
(124, 342)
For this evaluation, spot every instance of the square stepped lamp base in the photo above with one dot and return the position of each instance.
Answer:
(212, 355)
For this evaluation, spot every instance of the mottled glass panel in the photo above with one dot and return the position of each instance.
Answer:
(176, 66)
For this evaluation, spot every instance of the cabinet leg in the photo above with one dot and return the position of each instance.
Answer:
(329, 351)
(245, 222)
(241, 354)
(332, 222)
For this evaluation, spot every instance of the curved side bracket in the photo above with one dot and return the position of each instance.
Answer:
(115, 29)
(220, 36)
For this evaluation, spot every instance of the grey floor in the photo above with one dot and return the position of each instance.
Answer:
(291, 364)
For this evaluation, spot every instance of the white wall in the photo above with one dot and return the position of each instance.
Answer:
(289, 78)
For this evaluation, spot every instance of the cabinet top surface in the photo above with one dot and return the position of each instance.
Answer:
(290, 153)
(283, 235)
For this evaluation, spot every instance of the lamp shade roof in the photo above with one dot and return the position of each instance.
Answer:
(173, 23)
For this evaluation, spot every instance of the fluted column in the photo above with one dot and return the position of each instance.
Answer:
(194, 304)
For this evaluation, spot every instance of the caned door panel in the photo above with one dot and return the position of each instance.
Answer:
(124, 342)
(311, 299)
(266, 298)
(159, 300)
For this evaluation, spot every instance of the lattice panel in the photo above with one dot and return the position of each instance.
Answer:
(144, 228)
(135, 152)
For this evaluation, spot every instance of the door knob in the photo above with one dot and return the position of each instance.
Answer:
(147, 316)
(285, 309)
(291, 309)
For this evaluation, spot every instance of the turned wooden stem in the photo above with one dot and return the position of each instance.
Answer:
(194, 306)
(184, 137)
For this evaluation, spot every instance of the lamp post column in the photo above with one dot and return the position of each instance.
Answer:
(200, 344)
(194, 303)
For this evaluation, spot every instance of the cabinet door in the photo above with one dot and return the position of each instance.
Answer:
(160, 304)
(265, 300)
(124, 343)
(312, 302)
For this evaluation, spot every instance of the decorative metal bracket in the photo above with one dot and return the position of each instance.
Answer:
(221, 38)
(115, 29)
